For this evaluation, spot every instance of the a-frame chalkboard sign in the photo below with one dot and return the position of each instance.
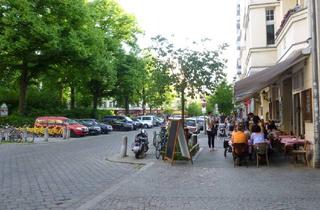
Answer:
(176, 134)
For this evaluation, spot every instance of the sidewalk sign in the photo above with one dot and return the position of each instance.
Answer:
(176, 133)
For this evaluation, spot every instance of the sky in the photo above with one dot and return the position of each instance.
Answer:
(188, 20)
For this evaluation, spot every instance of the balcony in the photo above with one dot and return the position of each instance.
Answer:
(293, 32)
(286, 18)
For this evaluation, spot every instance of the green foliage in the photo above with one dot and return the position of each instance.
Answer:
(192, 71)
(17, 120)
(194, 109)
(50, 47)
(223, 96)
(156, 84)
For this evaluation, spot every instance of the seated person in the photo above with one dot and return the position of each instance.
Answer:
(238, 136)
(257, 136)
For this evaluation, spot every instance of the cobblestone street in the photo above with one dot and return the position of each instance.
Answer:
(75, 175)
(58, 175)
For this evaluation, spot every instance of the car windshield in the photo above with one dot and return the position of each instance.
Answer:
(89, 121)
(128, 119)
(190, 123)
(71, 122)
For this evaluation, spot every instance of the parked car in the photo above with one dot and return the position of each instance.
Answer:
(105, 128)
(93, 128)
(75, 128)
(192, 125)
(137, 123)
(159, 121)
(119, 122)
(200, 120)
(148, 121)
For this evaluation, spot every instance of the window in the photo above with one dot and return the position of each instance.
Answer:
(269, 15)
(306, 105)
(270, 34)
(297, 80)
(270, 26)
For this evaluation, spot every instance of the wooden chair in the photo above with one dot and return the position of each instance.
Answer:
(301, 152)
(240, 151)
(261, 150)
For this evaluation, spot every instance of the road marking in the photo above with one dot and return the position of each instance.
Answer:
(94, 201)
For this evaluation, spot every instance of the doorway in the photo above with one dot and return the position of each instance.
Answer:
(287, 118)
(297, 114)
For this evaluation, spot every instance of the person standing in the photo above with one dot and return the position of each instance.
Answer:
(209, 124)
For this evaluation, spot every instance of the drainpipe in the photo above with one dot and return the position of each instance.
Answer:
(315, 81)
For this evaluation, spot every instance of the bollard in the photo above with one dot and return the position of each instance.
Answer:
(25, 135)
(124, 147)
(46, 134)
(6, 136)
(194, 139)
(64, 134)
(68, 133)
(1, 136)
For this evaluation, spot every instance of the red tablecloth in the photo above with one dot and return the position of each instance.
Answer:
(291, 141)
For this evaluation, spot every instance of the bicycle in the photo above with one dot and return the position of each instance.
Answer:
(159, 141)
(14, 134)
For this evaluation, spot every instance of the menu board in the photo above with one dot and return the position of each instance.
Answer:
(176, 133)
(171, 144)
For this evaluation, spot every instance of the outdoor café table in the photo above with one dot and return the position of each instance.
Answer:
(289, 141)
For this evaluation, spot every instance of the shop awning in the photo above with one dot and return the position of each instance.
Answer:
(250, 85)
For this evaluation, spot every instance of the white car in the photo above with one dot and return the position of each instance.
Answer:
(192, 125)
(148, 121)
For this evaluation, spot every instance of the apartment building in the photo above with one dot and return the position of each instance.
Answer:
(275, 63)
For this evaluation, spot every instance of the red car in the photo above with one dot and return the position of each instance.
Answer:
(75, 128)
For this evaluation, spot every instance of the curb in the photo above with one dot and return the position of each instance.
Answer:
(94, 201)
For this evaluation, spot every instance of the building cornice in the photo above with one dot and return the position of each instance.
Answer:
(259, 49)
(263, 5)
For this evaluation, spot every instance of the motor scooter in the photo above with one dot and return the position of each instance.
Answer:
(141, 144)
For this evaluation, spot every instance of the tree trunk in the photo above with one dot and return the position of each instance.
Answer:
(61, 95)
(126, 104)
(150, 109)
(73, 98)
(182, 106)
(143, 102)
(23, 90)
(95, 105)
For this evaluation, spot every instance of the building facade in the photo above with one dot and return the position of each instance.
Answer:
(276, 74)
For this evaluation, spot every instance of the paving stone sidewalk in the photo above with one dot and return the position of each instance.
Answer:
(213, 183)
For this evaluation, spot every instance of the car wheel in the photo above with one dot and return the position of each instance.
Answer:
(145, 126)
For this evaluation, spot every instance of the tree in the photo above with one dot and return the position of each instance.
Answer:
(34, 35)
(119, 29)
(194, 109)
(223, 97)
(192, 71)
(130, 81)
(156, 86)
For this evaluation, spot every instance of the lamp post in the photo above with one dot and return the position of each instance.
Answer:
(314, 20)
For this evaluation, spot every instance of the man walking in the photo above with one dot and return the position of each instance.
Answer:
(209, 126)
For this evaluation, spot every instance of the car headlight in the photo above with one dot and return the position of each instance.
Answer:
(79, 129)
(97, 128)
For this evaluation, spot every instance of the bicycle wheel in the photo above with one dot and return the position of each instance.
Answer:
(158, 150)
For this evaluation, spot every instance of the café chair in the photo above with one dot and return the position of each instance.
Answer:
(240, 153)
(261, 150)
(301, 152)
